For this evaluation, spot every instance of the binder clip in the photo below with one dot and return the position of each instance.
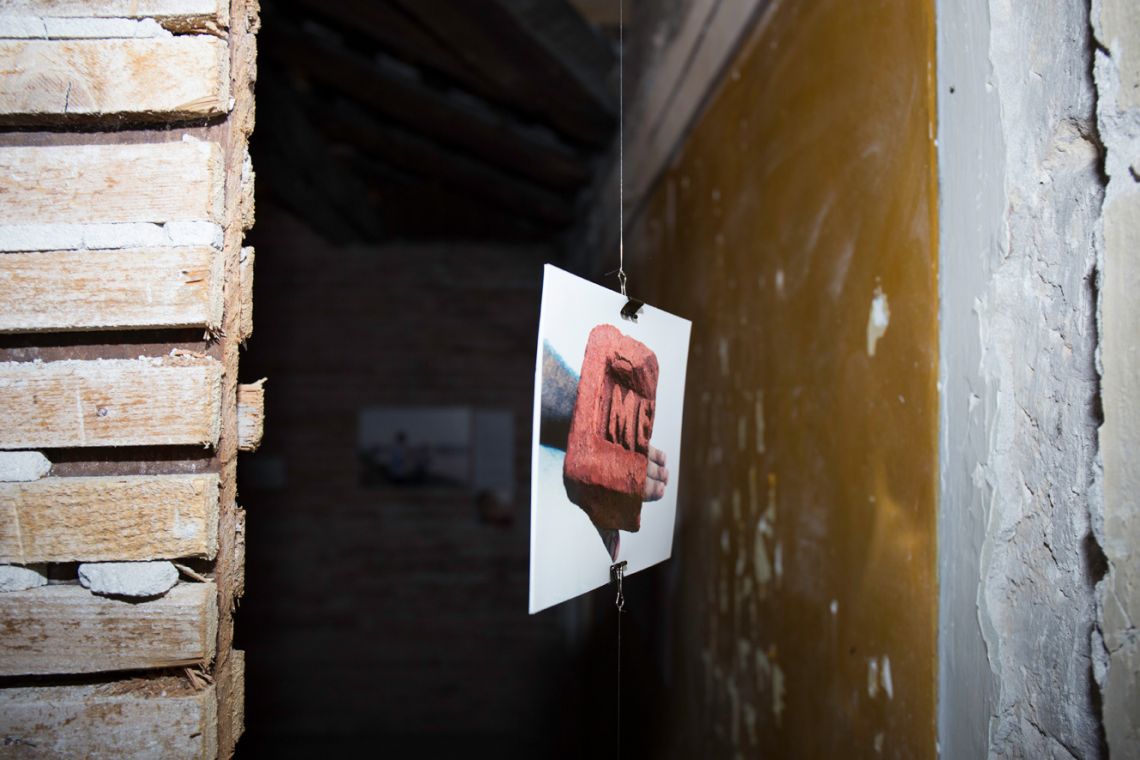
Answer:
(632, 309)
(617, 575)
(617, 571)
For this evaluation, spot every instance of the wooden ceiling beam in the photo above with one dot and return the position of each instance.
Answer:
(419, 208)
(602, 12)
(418, 156)
(542, 52)
(396, 32)
(402, 97)
(301, 170)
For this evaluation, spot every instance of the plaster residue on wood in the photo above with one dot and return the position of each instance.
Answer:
(111, 236)
(22, 577)
(23, 466)
(877, 320)
(131, 579)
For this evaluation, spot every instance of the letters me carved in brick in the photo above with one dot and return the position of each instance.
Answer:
(607, 450)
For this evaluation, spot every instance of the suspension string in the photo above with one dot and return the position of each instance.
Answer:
(621, 146)
(619, 571)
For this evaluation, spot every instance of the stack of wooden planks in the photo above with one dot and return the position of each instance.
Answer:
(125, 293)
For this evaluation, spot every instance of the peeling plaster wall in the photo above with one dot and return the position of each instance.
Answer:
(797, 228)
(1021, 503)
(1117, 27)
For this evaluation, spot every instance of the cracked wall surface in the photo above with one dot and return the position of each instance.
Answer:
(1021, 506)
(796, 228)
(1116, 24)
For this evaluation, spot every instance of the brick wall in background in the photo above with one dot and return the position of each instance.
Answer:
(378, 618)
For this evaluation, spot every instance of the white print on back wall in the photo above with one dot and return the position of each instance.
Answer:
(609, 396)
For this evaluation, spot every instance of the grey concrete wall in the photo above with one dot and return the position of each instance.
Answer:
(1117, 71)
(970, 147)
(1021, 191)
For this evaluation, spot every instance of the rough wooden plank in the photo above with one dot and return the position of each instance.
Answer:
(251, 415)
(67, 629)
(230, 564)
(110, 402)
(176, 78)
(103, 519)
(139, 718)
(237, 695)
(246, 277)
(75, 184)
(108, 290)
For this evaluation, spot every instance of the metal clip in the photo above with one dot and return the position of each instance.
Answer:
(631, 309)
(617, 574)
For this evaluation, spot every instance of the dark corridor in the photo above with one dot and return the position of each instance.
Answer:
(417, 163)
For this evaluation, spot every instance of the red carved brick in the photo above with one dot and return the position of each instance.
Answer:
(607, 451)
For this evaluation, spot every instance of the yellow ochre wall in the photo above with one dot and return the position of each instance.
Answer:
(805, 608)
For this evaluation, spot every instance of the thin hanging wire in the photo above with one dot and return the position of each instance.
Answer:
(621, 146)
(619, 602)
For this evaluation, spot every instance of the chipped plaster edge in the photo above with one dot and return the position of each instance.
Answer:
(1116, 26)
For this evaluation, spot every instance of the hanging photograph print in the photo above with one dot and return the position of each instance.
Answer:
(609, 396)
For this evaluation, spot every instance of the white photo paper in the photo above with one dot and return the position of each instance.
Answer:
(609, 397)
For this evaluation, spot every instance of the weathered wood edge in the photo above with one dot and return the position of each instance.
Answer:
(229, 566)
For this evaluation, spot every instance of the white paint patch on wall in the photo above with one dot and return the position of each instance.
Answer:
(760, 421)
(777, 693)
(761, 566)
(878, 320)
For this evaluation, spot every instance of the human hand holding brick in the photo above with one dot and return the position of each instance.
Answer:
(610, 467)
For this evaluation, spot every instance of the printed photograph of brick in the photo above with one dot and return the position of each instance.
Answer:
(607, 428)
